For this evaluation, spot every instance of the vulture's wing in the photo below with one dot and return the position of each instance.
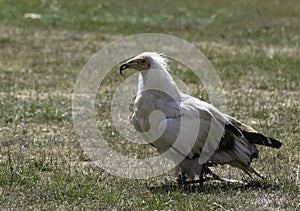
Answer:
(253, 136)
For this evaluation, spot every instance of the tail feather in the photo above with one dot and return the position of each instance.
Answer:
(245, 168)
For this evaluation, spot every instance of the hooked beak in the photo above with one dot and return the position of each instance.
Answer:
(123, 67)
(128, 64)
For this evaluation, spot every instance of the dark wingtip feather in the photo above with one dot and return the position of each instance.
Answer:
(275, 143)
(257, 138)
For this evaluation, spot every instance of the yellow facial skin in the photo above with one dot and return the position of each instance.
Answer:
(140, 63)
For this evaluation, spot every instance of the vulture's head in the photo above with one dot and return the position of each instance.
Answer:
(145, 61)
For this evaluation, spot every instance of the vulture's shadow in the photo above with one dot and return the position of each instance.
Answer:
(214, 186)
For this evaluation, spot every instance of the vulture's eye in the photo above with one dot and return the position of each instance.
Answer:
(143, 61)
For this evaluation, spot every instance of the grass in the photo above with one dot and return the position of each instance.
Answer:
(254, 47)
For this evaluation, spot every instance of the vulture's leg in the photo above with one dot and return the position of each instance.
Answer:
(206, 170)
(182, 179)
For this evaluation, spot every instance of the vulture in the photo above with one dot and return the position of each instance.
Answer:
(195, 134)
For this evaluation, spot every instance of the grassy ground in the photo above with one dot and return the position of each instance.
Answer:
(254, 47)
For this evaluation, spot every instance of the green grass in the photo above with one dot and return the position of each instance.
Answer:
(40, 112)
(244, 21)
(254, 46)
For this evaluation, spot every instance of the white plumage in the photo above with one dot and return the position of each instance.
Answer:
(164, 114)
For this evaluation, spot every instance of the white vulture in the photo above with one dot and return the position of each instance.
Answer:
(190, 121)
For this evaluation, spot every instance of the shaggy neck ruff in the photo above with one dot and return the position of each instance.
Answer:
(158, 78)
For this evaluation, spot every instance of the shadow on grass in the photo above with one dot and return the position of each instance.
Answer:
(214, 186)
